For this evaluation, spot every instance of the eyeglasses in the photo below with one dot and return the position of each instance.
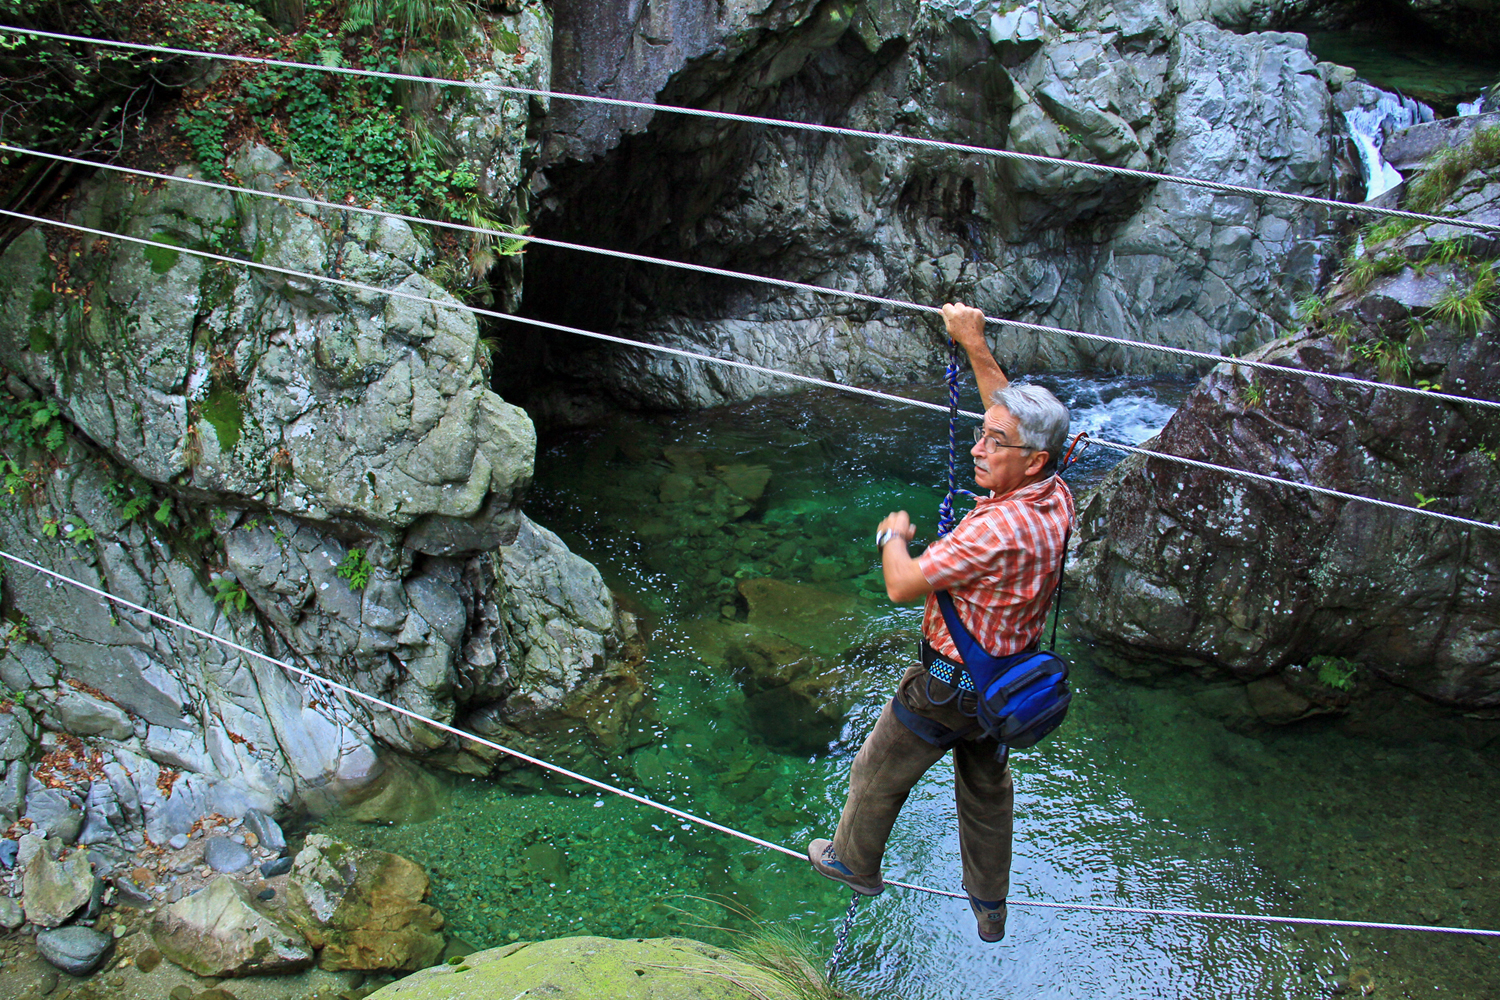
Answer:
(990, 444)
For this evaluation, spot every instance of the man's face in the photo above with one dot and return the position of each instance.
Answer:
(999, 463)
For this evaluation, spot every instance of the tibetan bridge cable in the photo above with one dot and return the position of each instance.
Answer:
(746, 366)
(728, 116)
(1200, 356)
(681, 814)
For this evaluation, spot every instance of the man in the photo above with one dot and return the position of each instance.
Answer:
(1000, 564)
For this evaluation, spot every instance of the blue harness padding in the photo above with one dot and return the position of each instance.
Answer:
(1020, 698)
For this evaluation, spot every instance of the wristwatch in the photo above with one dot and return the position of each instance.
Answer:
(882, 537)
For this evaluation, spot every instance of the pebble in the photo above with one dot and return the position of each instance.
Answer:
(280, 866)
(266, 893)
(181, 992)
(224, 855)
(178, 842)
(148, 960)
(8, 849)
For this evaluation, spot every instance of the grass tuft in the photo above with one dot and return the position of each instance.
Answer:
(1469, 309)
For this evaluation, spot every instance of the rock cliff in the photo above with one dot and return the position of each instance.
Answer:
(318, 473)
(1152, 86)
(1305, 598)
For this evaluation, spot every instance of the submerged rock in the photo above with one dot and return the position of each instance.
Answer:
(363, 909)
(222, 930)
(650, 969)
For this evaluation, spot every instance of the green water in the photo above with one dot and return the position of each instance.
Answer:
(1140, 799)
(1434, 75)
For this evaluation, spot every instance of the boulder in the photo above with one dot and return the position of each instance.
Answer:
(363, 909)
(75, 950)
(52, 891)
(267, 831)
(222, 930)
(224, 855)
(650, 969)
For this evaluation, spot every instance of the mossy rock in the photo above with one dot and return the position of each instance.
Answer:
(587, 967)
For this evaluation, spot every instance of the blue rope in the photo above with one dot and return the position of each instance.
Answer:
(946, 520)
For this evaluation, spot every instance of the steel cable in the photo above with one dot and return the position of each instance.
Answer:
(728, 116)
(681, 814)
(1200, 356)
(744, 365)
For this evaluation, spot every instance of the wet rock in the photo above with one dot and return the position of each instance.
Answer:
(403, 793)
(797, 612)
(75, 950)
(276, 866)
(8, 850)
(634, 969)
(224, 855)
(223, 931)
(363, 909)
(267, 831)
(147, 960)
(52, 891)
(11, 914)
(178, 841)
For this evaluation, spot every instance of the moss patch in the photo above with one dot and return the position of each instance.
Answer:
(224, 413)
(162, 257)
(41, 340)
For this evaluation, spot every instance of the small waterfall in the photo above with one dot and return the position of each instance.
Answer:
(1368, 127)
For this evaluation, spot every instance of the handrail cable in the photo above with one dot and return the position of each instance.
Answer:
(851, 133)
(710, 359)
(1202, 356)
(681, 814)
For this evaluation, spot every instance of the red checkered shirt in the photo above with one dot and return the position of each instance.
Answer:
(1000, 565)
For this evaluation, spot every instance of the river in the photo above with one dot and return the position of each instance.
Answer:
(1141, 799)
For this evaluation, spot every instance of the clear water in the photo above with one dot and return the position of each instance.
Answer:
(1139, 800)
(1435, 75)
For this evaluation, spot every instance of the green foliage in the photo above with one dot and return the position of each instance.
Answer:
(410, 19)
(50, 527)
(1469, 308)
(205, 128)
(1422, 499)
(163, 515)
(1312, 311)
(355, 569)
(1367, 267)
(30, 423)
(130, 498)
(1335, 671)
(228, 593)
(1443, 173)
(77, 530)
(1253, 394)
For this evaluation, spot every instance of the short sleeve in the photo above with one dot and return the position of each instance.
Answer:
(964, 555)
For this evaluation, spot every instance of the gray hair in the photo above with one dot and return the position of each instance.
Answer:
(1041, 418)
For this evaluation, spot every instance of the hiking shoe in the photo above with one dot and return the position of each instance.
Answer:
(826, 863)
(991, 917)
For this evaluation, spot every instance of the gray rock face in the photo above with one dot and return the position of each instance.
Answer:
(222, 930)
(267, 831)
(75, 950)
(224, 855)
(342, 452)
(1145, 88)
(1260, 582)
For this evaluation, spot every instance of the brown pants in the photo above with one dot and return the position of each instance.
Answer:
(892, 761)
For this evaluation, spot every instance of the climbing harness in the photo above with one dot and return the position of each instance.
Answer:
(493, 86)
(843, 938)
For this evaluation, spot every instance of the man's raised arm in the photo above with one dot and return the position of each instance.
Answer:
(966, 327)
